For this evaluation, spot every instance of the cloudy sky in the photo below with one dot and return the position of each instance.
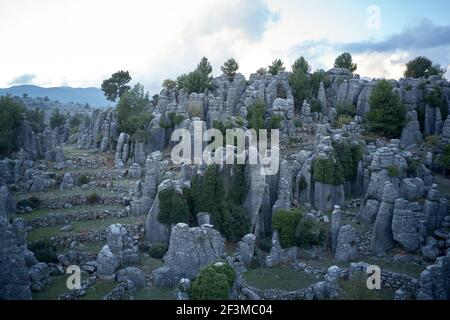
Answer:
(79, 43)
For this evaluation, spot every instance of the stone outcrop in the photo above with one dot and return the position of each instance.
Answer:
(346, 247)
(382, 238)
(434, 281)
(119, 251)
(155, 231)
(405, 224)
(411, 134)
(189, 250)
(154, 167)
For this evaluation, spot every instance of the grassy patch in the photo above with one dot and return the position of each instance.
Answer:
(410, 269)
(148, 264)
(53, 290)
(153, 293)
(356, 289)
(77, 209)
(78, 227)
(282, 277)
(99, 289)
(56, 193)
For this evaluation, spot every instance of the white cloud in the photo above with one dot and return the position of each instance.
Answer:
(82, 42)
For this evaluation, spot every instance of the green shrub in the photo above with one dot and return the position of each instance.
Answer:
(309, 233)
(275, 121)
(315, 105)
(93, 198)
(328, 171)
(212, 283)
(387, 111)
(343, 120)
(433, 140)
(173, 207)
(35, 202)
(235, 223)
(157, 250)
(346, 109)
(256, 115)
(32, 202)
(44, 251)
(348, 157)
(412, 167)
(285, 222)
(227, 270)
(393, 171)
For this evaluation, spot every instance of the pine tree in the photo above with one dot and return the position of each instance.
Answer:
(387, 112)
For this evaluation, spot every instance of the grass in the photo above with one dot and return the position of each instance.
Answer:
(282, 278)
(148, 264)
(356, 289)
(91, 248)
(99, 289)
(56, 193)
(53, 290)
(78, 227)
(77, 209)
(153, 293)
(410, 269)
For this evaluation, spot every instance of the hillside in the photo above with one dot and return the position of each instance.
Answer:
(92, 96)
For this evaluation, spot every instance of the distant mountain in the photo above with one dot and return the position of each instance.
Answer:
(93, 96)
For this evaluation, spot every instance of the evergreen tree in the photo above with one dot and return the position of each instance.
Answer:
(276, 66)
(117, 85)
(422, 67)
(229, 68)
(345, 60)
(387, 112)
(57, 119)
(10, 121)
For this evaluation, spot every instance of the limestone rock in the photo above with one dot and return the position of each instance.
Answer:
(14, 279)
(192, 248)
(346, 247)
(405, 225)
